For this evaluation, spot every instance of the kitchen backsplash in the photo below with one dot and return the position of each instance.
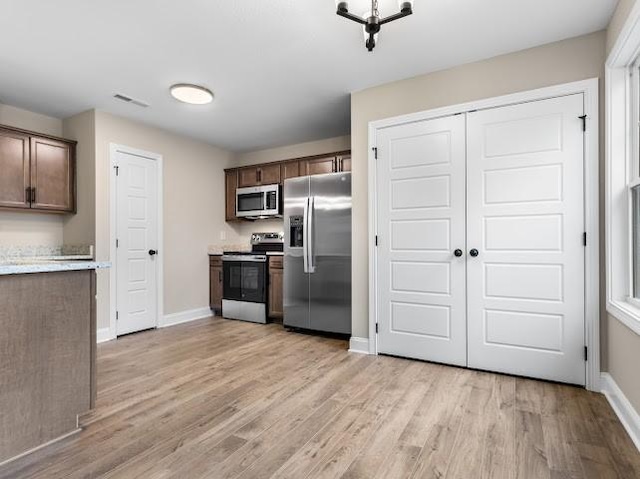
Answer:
(33, 251)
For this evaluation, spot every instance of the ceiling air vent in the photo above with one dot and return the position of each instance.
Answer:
(128, 99)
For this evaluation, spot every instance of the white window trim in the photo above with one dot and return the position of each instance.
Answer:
(622, 170)
(591, 206)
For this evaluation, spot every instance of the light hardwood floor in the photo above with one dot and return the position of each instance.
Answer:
(226, 399)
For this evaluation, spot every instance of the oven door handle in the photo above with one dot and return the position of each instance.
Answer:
(305, 243)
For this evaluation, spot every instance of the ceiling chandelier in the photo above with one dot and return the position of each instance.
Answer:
(371, 20)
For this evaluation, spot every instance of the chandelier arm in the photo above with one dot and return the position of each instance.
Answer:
(351, 16)
(396, 16)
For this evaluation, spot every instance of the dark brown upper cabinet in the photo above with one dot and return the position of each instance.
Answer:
(248, 177)
(38, 172)
(258, 175)
(290, 169)
(231, 185)
(269, 175)
(320, 166)
(52, 175)
(14, 164)
(278, 171)
(344, 163)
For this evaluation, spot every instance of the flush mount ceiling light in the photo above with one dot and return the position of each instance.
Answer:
(371, 20)
(192, 94)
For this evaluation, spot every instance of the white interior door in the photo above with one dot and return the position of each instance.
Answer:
(137, 236)
(525, 217)
(421, 222)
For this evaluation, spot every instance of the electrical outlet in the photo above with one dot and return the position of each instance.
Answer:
(223, 235)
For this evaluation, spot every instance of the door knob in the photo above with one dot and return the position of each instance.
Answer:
(457, 253)
(153, 252)
(474, 252)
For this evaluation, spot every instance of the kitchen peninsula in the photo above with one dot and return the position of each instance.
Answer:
(47, 349)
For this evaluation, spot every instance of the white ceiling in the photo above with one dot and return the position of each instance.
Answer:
(281, 70)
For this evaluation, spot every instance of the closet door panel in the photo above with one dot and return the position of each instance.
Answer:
(421, 222)
(525, 218)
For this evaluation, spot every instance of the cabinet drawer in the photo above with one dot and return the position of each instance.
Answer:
(215, 260)
(276, 262)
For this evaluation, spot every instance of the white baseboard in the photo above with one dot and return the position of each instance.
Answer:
(628, 416)
(104, 334)
(185, 317)
(359, 345)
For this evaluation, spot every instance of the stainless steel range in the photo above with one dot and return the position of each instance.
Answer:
(246, 277)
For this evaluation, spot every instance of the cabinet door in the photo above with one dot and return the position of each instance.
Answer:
(52, 175)
(290, 169)
(215, 287)
(276, 293)
(14, 165)
(248, 177)
(344, 163)
(269, 175)
(231, 185)
(320, 166)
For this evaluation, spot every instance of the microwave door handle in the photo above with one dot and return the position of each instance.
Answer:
(305, 223)
(311, 234)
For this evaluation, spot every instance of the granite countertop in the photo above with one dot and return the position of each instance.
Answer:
(23, 259)
(24, 266)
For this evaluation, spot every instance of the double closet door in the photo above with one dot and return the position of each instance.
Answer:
(480, 257)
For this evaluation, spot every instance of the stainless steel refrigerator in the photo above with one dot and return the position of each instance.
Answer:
(317, 253)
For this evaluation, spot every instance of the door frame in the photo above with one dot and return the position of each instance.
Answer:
(589, 88)
(114, 149)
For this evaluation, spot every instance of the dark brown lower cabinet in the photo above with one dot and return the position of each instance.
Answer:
(215, 283)
(276, 291)
(47, 357)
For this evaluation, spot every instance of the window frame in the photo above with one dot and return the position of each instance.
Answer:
(622, 72)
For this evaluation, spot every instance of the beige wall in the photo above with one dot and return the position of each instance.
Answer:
(617, 22)
(193, 208)
(623, 349)
(569, 60)
(298, 150)
(81, 227)
(25, 228)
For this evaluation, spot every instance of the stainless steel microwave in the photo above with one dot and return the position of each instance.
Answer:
(259, 202)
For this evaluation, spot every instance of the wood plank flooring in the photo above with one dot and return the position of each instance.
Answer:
(226, 399)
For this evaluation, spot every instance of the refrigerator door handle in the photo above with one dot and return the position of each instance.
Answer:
(310, 235)
(305, 244)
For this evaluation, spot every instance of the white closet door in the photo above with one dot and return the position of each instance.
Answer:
(421, 221)
(525, 218)
(137, 230)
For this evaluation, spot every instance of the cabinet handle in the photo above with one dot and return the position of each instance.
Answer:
(27, 194)
(335, 165)
(259, 175)
(33, 194)
(341, 159)
(220, 276)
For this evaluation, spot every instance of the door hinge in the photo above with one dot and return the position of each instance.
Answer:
(375, 152)
(376, 240)
(117, 168)
(376, 328)
(117, 314)
(117, 242)
(584, 238)
(586, 353)
(584, 122)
